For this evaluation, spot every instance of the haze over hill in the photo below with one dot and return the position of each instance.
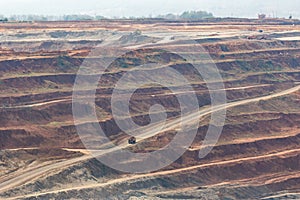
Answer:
(126, 8)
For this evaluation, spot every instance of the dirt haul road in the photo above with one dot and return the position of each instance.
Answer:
(28, 176)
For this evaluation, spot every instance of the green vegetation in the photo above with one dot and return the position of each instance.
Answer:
(191, 15)
(80, 17)
(196, 15)
(51, 18)
(3, 19)
(187, 15)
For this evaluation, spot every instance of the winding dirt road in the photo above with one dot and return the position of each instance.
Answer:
(29, 175)
(68, 99)
(161, 173)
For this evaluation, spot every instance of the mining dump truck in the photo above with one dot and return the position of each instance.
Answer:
(132, 140)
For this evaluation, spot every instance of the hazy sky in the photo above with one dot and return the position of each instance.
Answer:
(110, 8)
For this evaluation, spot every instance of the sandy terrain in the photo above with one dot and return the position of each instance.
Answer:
(256, 157)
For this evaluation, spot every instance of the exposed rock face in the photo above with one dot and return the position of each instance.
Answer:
(42, 156)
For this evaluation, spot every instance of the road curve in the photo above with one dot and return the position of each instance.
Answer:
(160, 173)
(70, 98)
(29, 175)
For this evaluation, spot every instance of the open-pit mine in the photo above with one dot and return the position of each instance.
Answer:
(257, 156)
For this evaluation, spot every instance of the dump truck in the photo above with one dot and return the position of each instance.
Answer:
(132, 140)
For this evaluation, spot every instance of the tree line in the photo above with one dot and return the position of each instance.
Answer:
(189, 15)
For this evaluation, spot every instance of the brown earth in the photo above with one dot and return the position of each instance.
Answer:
(257, 155)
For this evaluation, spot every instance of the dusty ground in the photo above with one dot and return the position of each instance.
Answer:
(258, 153)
